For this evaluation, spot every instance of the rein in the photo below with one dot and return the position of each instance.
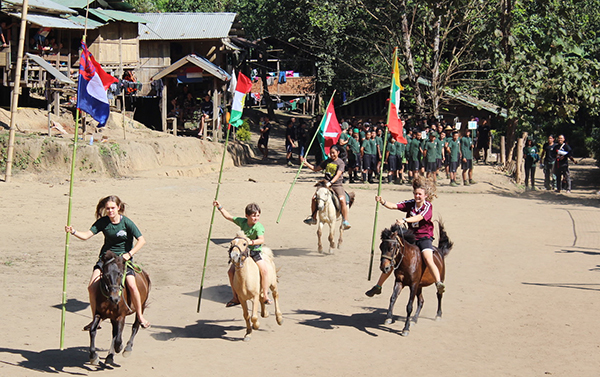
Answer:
(105, 287)
(397, 250)
(242, 253)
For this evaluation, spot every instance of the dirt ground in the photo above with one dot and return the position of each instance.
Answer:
(520, 301)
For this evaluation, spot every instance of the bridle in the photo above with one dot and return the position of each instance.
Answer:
(106, 287)
(324, 200)
(244, 253)
(397, 245)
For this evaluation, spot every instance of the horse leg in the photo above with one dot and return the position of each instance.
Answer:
(420, 301)
(117, 341)
(134, 331)
(244, 304)
(94, 359)
(438, 316)
(254, 318)
(341, 239)
(275, 293)
(331, 237)
(395, 293)
(409, 308)
(319, 234)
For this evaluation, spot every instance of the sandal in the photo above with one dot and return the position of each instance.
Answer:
(268, 302)
(145, 325)
(231, 303)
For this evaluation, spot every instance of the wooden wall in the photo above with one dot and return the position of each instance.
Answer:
(115, 44)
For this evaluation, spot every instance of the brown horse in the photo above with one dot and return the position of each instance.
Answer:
(113, 302)
(400, 254)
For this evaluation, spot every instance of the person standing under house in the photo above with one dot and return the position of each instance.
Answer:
(368, 152)
(334, 170)
(290, 141)
(466, 151)
(483, 140)
(354, 157)
(548, 159)
(531, 157)
(563, 155)
(453, 156)
(301, 136)
(430, 155)
(263, 141)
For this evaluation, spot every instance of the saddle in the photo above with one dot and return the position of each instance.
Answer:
(336, 200)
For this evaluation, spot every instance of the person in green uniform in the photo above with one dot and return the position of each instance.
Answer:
(414, 154)
(400, 161)
(430, 155)
(119, 232)
(531, 157)
(354, 156)
(466, 151)
(440, 151)
(368, 152)
(379, 144)
(391, 159)
(255, 232)
(453, 154)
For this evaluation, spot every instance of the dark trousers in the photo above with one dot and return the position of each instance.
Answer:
(529, 171)
(563, 171)
(549, 177)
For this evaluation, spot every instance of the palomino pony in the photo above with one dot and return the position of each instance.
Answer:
(114, 302)
(400, 254)
(247, 282)
(328, 213)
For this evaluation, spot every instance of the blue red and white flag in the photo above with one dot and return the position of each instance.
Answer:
(92, 86)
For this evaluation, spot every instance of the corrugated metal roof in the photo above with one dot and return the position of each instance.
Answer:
(52, 22)
(48, 67)
(199, 61)
(176, 26)
(82, 4)
(91, 24)
(107, 15)
(42, 5)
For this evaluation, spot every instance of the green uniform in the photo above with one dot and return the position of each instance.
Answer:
(400, 148)
(117, 237)
(440, 148)
(465, 147)
(354, 146)
(379, 143)
(454, 150)
(252, 232)
(413, 149)
(431, 147)
(370, 147)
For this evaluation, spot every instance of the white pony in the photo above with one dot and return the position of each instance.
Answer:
(327, 213)
(247, 282)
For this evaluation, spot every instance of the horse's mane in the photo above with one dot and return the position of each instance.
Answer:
(321, 183)
(406, 234)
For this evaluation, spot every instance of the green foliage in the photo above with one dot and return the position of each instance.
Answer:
(243, 132)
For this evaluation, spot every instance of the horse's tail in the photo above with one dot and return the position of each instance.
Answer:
(267, 253)
(444, 245)
(352, 196)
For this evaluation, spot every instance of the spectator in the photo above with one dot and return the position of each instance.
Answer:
(548, 160)
(563, 155)
(531, 156)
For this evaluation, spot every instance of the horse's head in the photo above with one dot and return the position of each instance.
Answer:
(238, 250)
(323, 195)
(393, 241)
(112, 282)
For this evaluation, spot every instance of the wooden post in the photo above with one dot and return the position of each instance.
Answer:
(56, 103)
(163, 108)
(215, 113)
(49, 119)
(518, 172)
(503, 150)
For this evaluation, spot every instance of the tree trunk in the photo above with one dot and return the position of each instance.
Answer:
(435, 73)
(263, 77)
(410, 64)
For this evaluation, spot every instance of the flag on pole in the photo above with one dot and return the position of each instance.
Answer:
(395, 124)
(329, 130)
(243, 86)
(92, 86)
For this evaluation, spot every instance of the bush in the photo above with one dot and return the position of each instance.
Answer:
(243, 132)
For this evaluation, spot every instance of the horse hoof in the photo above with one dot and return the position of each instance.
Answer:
(405, 333)
(110, 360)
(279, 320)
(438, 318)
(126, 353)
(247, 338)
(255, 326)
(388, 321)
(95, 360)
(320, 251)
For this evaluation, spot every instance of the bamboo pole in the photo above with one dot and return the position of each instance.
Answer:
(212, 219)
(381, 168)
(15, 93)
(302, 163)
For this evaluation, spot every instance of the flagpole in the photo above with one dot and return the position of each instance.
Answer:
(212, 219)
(69, 209)
(302, 162)
(381, 171)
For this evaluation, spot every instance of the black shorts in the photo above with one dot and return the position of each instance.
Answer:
(100, 264)
(431, 167)
(453, 166)
(413, 165)
(264, 141)
(255, 254)
(425, 243)
(392, 163)
(467, 165)
(369, 162)
(439, 162)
